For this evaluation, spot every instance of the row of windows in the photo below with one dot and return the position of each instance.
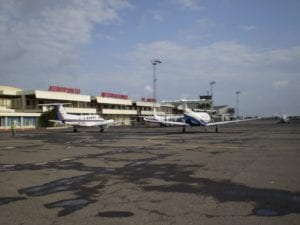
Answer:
(90, 117)
(27, 121)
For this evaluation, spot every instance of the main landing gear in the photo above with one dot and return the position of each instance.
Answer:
(217, 129)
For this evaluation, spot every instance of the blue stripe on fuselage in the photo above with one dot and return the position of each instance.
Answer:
(60, 116)
(192, 121)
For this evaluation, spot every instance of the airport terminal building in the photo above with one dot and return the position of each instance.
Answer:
(24, 107)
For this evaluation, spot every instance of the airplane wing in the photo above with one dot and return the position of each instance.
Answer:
(56, 121)
(96, 124)
(166, 122)
(228, 122)
(84, 124)
(107, 122)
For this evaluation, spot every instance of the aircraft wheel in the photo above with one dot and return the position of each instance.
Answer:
(102, 130)
(217, 129)
(183, 130)
(74, 129)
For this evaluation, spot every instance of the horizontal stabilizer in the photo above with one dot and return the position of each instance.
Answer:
(230, 121)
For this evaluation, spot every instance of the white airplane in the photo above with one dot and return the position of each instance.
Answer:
(284, 119)
(79, 120)
(190, 119)
(158, 119)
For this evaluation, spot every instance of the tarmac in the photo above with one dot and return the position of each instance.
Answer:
(248, 173)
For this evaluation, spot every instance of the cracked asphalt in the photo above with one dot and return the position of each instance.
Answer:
(246, 174)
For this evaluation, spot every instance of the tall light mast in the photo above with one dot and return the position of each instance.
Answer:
(211, 91)
(237, 103)
(154, 62)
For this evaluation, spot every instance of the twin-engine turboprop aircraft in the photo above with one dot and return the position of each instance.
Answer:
(79, 120)
(189, 119)
(284, 119)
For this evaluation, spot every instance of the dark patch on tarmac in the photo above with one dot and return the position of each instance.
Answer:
(77, 184)
(69, 205)
(276, 201)
(281, 202)
(265, 212)
(267, 202)
(7, 200)
(115, 214)
(218, 152)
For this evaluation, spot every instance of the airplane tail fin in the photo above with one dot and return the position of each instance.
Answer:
(61, 112)
(154, 113)
(184, 106)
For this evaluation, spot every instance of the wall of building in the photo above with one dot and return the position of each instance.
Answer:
(24, 107)
(21, 120)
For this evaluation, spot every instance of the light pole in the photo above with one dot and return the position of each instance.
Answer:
(154, 62)
(211, 91)
(237, 103)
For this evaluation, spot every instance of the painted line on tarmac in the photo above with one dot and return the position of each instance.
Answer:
(156, 141)
(8, 166)
(41, 163)
(67, 159)
(223, 146)
(160, 141)
(7, 147)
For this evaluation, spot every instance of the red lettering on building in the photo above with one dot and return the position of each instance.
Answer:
(64, 89)
(113, 95)
(148, 99)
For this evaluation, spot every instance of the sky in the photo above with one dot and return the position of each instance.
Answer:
(251, 46)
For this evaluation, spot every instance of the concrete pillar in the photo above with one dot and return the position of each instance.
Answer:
(22, 120)
(23, 102)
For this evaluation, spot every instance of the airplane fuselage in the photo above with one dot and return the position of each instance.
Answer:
(190, 118)
(82, 120)
(196, 118)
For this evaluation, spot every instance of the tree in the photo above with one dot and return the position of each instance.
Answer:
(46, 116)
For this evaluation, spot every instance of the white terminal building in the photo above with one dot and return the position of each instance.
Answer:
(24, 107)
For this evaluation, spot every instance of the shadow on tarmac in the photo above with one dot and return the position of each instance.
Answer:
(268, 202)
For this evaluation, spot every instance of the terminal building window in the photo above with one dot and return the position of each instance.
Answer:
(15, 119)
(2, 121)
(29, 122)
(5, 102)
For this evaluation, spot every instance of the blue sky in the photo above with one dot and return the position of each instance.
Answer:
(107, 45)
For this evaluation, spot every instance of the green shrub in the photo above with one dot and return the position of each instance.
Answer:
(45, 117)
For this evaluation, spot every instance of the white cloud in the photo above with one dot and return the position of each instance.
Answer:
(218, 58)
(148, 89)
(38, 37)
(280, 84)
(191, 4)
(157, 16)
(234, 66)
(200, 29)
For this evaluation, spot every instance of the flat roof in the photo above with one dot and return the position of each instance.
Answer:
(113, 101)
(58, 96)
(147, 104)
(8, 90)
